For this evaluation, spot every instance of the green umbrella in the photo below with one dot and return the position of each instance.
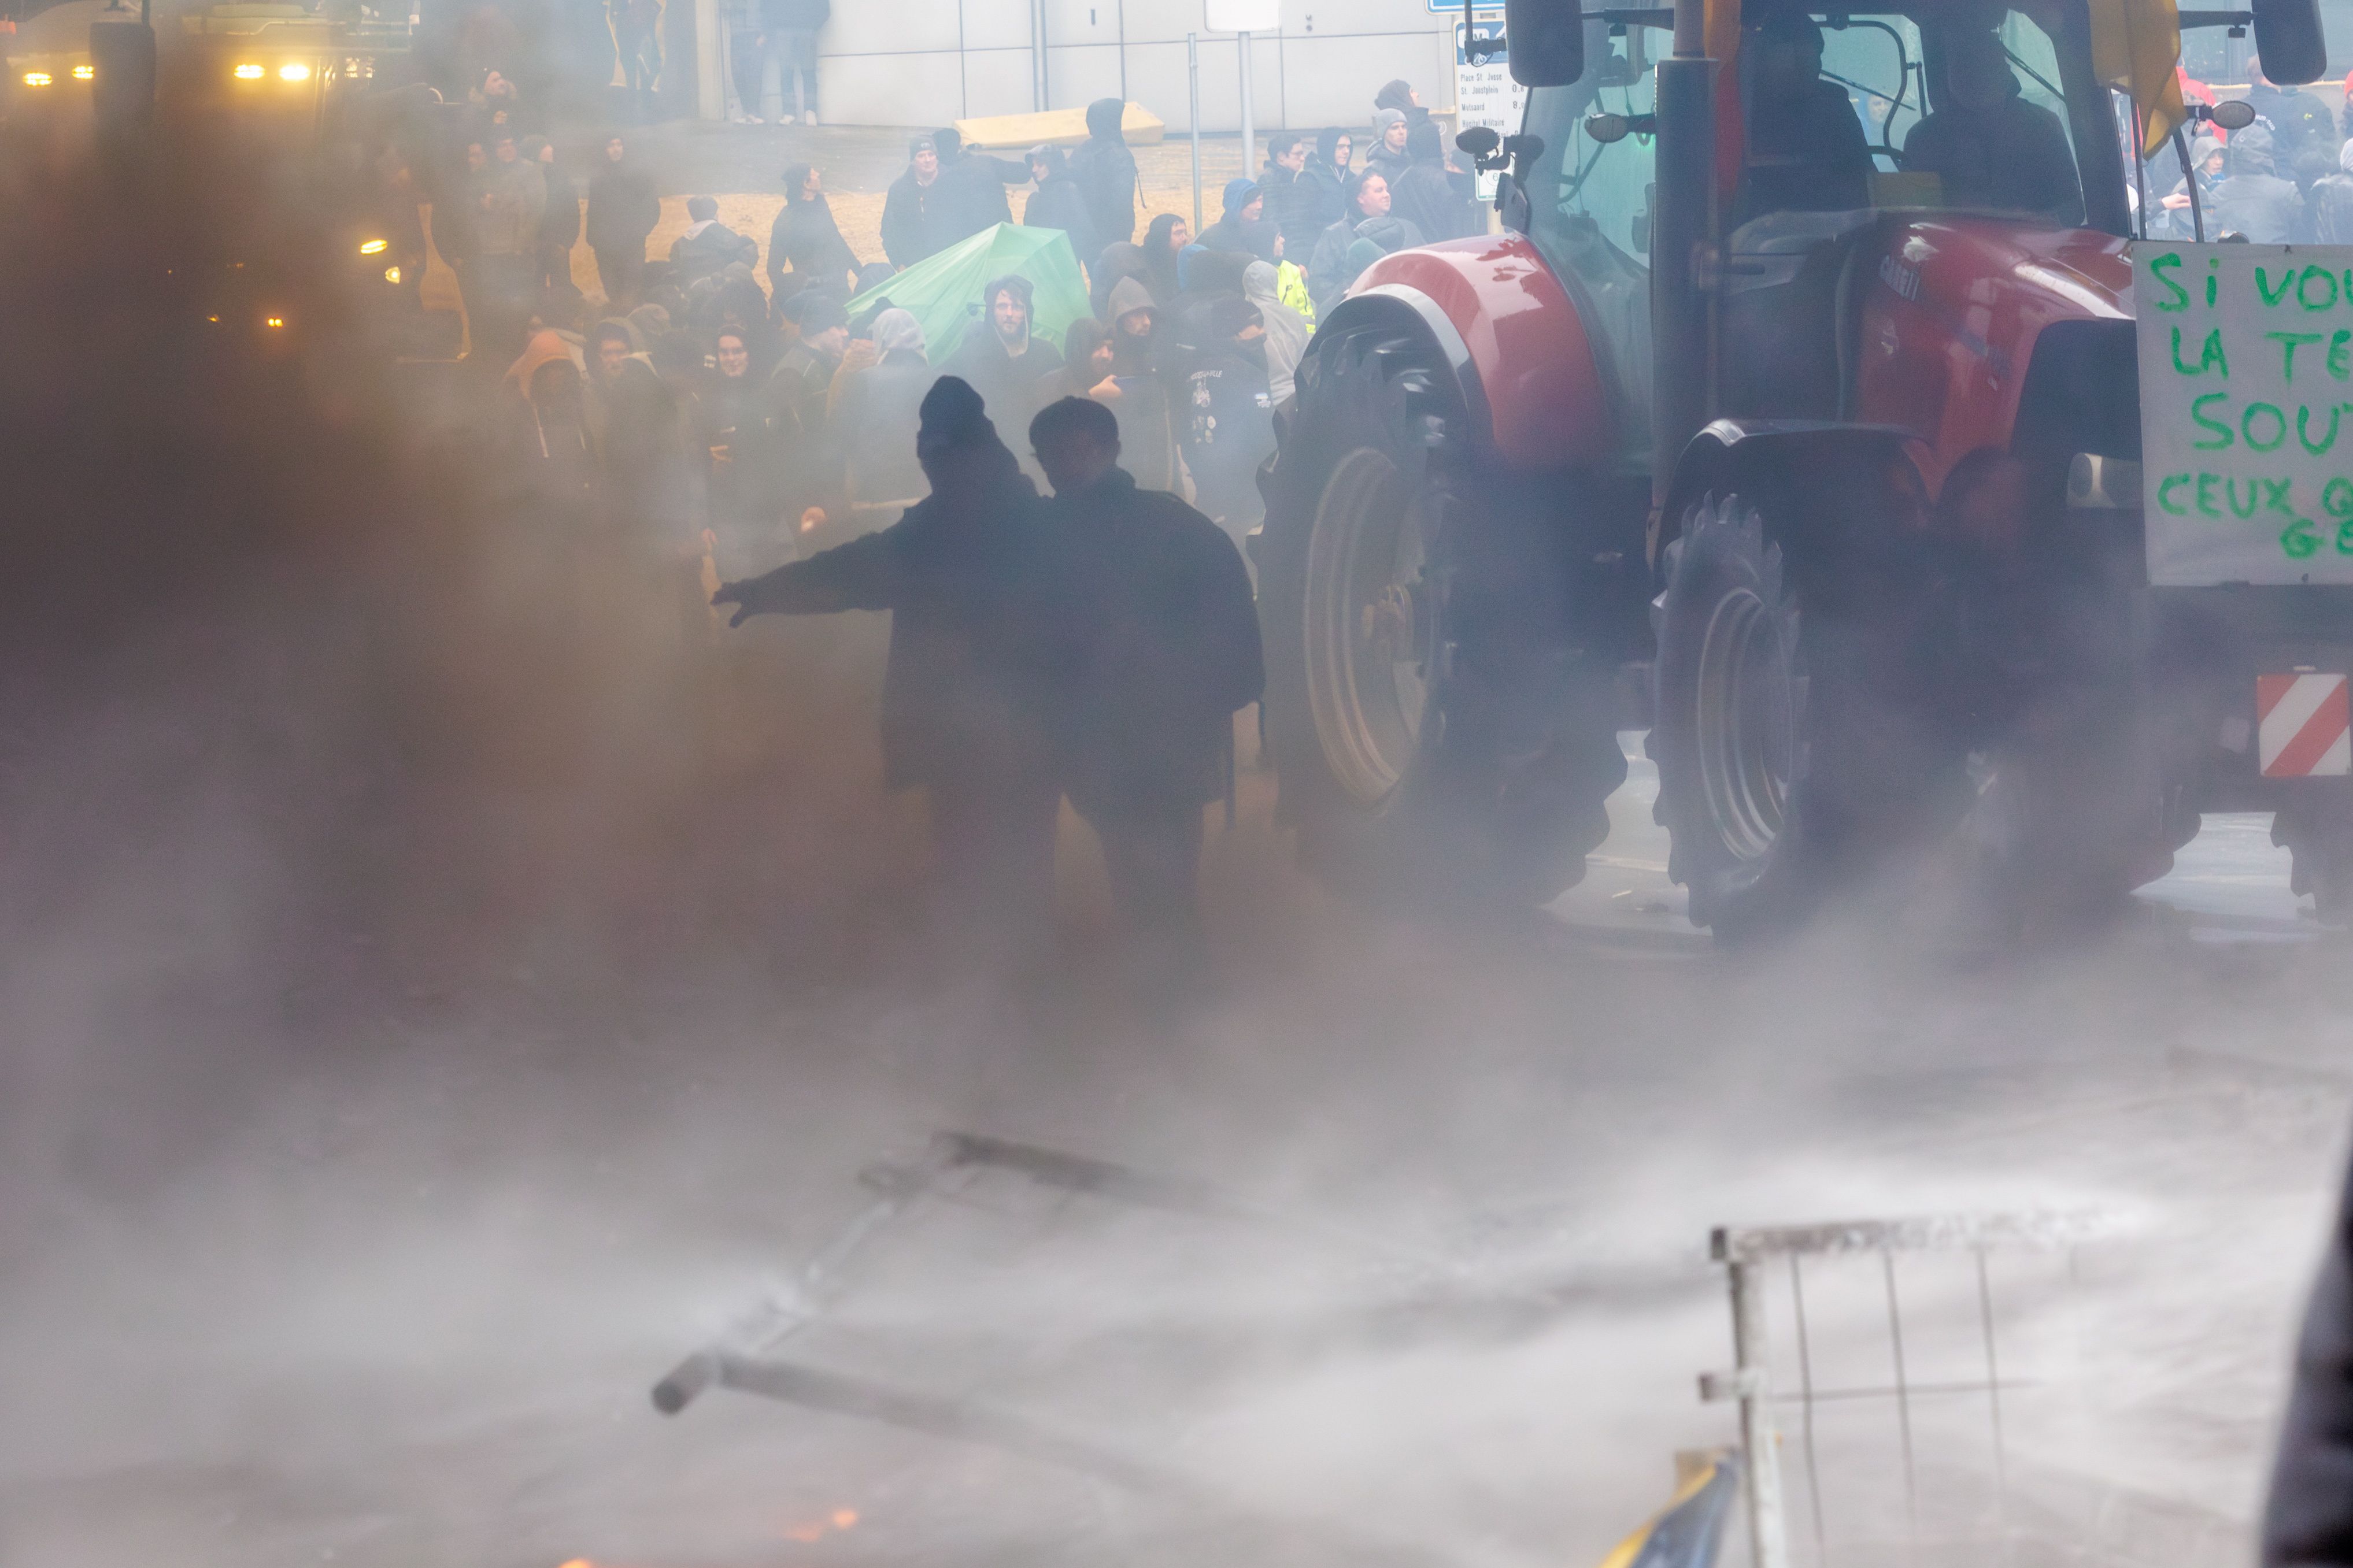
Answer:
(942, 291)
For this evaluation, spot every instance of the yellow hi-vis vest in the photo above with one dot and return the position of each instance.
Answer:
(1291, 288)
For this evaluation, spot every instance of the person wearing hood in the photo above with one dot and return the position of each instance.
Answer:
(805, 238)
(1228, 415)
(914, 211)
(875, 409)
(1388, 157)
(1334, 181)
(1058, 203)
(1290, 196)
(808, 457)
(2252, 199)
(2206, 169)
(1286, 335)
(1424, 195)
(559, 220)
(1245, 205)
(973, 187)
(1330, 271)
(1086, 364)
(551, 430)
(1989, 147)
(633, 414)
(1120, 260)
(1165, 238)
(1165, 652)
(2330, 206)
(1105, 172)
(1806, 151)
(1400, 95)
(1138, 394)
(1002, 358)
(978, 662)
(622, 212)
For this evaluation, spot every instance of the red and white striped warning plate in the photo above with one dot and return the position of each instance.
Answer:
(2301, 726)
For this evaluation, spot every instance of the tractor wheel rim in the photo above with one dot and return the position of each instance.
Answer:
(1749, 696)
(1370, 625)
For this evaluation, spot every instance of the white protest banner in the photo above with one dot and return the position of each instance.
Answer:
(2246, 412)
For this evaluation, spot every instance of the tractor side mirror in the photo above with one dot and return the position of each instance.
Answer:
(1608, 128)
(1548, 40)
(2231, 114)
(2289, 39)
(1481, 141)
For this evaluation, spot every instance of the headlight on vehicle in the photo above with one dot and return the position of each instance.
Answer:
(248, 72)
(84, 73)
(371, 248)
(36, 78)
(294, 70)
(392, 274)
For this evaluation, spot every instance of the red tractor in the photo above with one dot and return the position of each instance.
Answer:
(1794, 415)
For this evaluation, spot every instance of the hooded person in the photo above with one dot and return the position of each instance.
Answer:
(1164, 237)
(1245, 205)
(1388, 156)
(1105, 172)
(1139, 394)
(1087, 357)
(634, 415)
(978, 662)
(1424, 195)
(1286, 335)
(1227, 415)
(876, 412)
(2330, 204)
(1002, 357)
(1400, 95)
(2253, 199)
(915, 209)
(1807, 149)
(551, 435)
(1986, 145)
(1332, 181)
(1330, 271)
(1165, 650)
(1121, 259)
(1058, 203)
(708, 244)
(2206, 171)
(805, 238)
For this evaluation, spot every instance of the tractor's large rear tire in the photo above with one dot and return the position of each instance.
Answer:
(1436, 738)
(1790, 760)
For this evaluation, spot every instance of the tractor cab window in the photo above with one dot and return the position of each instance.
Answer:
(1589, 192)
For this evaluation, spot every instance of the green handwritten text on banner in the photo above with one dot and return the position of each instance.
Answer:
(2246, 411)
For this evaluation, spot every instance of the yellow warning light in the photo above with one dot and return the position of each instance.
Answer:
(248, 72)
(36, 78)
(371, 248)
(392, 274)
(274, 321)
(83, 73)
(294, 70)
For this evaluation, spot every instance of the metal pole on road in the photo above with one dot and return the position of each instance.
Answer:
(1249, 136)
(1193, 71)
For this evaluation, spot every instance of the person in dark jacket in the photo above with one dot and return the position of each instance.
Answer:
(1329, 272)
(805, 238)
(1291, 197)
(1986, 145)
(914, 210)
(708, 245)
(1400, 95)
(1228, 416)
(1139, 394)
(1058, 203)
(1001, 358)
(1806, 148)
(977, 660)
(1087, 365)
(552, 437)
(1120, 260)
(876, 409)
(1245, 203)
(2303, 132)
(2308, 1518)
(1105, 171)
(741, 490)
(633, 414)
(1387, 157)
(622, 211)
(973, 187)
(2252, 199)
(1166, 652)
(559, 221)
(2330, 204)
(1424, 195)
(1333, 177)
(1164, 239)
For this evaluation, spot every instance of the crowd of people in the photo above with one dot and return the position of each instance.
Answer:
(2287, 179)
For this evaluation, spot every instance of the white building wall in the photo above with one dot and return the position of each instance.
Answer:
(926, 63)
